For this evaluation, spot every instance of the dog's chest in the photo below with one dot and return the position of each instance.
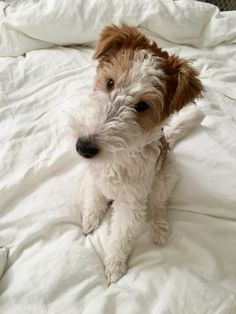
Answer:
(134, 174)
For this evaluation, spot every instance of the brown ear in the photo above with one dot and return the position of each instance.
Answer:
(113, 38)
(183, 85)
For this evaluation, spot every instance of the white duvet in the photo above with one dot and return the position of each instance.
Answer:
(52, 267)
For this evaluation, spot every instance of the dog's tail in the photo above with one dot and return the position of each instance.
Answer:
(182, 123)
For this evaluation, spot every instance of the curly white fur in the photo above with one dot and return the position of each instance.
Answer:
(126, 172)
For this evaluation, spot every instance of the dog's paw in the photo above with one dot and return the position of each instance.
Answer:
(90, 223)
(114, 269)
(160, 232)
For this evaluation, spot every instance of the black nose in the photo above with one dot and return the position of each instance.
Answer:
(86, 148)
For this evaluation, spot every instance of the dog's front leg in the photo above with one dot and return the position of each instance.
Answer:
(95, 206)
(127, 220)
(163, 186)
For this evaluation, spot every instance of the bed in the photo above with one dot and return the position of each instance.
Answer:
(45, 65)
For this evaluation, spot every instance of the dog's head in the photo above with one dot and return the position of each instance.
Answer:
(137, 86)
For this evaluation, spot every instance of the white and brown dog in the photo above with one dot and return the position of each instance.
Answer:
(137, 87)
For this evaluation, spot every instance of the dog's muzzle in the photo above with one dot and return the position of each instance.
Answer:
(86, 148)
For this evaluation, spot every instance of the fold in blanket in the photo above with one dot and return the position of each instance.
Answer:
(3, 259)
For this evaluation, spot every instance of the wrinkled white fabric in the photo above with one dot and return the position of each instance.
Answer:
(52, 267)
(28, 25)
(3, 259)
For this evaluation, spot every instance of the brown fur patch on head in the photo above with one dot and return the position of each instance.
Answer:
(113, 38)
(153, 116)
(117, 68)
(116, 49)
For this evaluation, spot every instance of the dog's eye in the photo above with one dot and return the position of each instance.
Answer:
(141, 106)
(110, 84)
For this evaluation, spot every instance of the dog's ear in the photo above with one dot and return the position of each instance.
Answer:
(183, 85)
(113, 38)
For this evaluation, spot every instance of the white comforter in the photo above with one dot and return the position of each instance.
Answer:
(52, 267)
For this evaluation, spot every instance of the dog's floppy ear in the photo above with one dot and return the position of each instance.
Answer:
(113, 38)
(183, 85)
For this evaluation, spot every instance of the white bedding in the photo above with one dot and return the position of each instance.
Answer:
(52, 267)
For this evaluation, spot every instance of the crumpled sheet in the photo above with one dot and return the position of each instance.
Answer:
(52, 267)
(28, 25)
(3, 259)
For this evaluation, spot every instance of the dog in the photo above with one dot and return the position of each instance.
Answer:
(137, 88)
